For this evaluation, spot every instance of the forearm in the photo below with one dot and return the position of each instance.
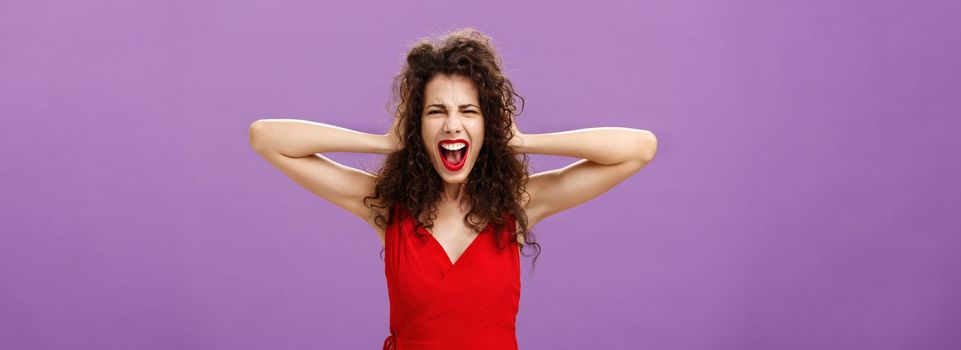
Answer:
(605, 145)
(301, 138)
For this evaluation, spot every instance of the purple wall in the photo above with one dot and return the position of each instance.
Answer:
(801, 197)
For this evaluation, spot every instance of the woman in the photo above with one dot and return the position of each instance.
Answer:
(452, 199)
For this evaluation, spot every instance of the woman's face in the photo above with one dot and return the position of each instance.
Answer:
(452, 126)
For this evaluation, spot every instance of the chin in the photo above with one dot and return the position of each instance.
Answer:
(454, 178)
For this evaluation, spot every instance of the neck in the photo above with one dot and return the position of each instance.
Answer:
(453, 191)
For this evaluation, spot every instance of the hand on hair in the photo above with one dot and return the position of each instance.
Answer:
(516, 142)
(396, 135)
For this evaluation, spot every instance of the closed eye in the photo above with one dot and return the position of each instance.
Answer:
(433, 112)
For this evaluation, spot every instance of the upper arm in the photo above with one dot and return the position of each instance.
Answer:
(341, 185)
(557, 190)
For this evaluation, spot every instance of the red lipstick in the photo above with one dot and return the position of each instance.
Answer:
(463, 159)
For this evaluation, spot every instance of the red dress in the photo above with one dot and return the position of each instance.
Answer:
(435, 304)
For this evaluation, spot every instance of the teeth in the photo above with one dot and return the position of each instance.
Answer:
(453, 146)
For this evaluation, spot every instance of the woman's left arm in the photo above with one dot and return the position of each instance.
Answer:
(610, 155)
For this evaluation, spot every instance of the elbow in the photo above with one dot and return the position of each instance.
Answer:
(257, 137)
(646, 146)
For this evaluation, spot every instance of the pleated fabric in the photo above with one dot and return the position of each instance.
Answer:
(436, 304)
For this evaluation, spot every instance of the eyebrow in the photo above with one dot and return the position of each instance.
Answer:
(445, 107)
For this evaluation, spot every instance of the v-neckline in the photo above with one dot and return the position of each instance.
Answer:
(470, 245)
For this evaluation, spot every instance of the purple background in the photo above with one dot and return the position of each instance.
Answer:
(802, 196)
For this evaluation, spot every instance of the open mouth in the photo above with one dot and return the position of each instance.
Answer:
(453, 153)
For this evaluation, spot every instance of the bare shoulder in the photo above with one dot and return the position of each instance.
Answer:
(517, 225)
(371, 220)
(526, 202)
(520, 238)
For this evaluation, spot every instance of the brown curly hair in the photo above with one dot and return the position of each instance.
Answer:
(497, 182)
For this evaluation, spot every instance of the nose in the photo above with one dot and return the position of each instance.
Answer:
(452, 124)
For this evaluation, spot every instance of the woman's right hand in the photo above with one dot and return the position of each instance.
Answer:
(396, 135)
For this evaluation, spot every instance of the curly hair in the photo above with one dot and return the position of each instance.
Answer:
(498, 180)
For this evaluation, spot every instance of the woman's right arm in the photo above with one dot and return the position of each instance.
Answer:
(292, 146)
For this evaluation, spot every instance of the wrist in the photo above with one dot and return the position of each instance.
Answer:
(389, 143)
(521, 143)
